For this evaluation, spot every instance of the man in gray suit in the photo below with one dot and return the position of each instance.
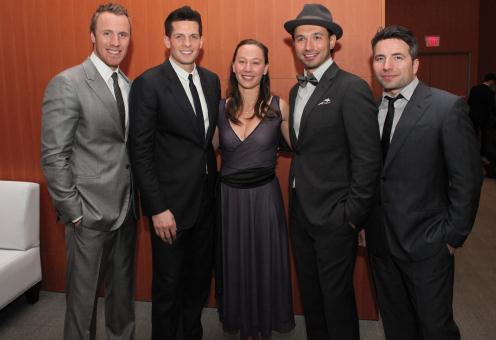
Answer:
(86, 165)
(428, 194)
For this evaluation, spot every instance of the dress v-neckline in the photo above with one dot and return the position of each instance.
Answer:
(251, 133)
(256, 127)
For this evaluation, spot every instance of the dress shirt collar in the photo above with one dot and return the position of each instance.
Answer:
(181, 73)
(407, 91)
(102, 68)
(319, 72)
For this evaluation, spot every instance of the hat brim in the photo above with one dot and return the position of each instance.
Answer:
(290, 25)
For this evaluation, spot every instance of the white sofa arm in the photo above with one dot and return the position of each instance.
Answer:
(19, 215)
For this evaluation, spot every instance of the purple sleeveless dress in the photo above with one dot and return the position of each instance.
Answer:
(256, 274)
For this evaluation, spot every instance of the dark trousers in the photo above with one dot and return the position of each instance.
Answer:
(93, 257)
(181, 278)
(325, 261)
(415, 298)
(481, 126)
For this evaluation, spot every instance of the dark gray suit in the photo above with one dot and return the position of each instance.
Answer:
(336, 166)
(86, 165)
(427, 198)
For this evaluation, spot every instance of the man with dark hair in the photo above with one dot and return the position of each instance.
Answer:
(428, 194)
(85, 161)
(184, 13)
(483, 112)
(334, 173)
(174, 108)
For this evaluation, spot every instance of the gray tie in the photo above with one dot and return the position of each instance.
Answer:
(120, 102)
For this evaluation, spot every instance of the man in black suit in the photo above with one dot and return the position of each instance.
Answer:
(482, 108)
(428, 194)
(174, 109)
(333, 175)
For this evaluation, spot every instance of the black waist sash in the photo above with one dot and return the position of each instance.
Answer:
(249, 178)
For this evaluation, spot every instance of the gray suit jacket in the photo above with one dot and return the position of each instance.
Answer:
(430, 181)
(83, 150)
(337, 157)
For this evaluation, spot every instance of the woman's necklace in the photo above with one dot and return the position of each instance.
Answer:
(248, 112)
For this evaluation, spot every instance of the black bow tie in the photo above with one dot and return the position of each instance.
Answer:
(303, 80)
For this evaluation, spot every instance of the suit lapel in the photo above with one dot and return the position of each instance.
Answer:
(292, 101)
(101, 90)
(413, 111)
(321, 89)
(209, 98)
(180, 96)
(125, 77)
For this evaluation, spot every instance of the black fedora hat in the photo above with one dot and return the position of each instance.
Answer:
(314, 14)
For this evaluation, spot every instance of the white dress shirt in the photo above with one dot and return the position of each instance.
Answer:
(399, 106)
(183, 77)
(304, 94)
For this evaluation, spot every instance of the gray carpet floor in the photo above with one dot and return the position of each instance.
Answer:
(474, 297)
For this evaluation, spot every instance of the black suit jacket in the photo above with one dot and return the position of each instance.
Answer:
(431, 179)
(168, 152)
(337, 155)
(482, 106)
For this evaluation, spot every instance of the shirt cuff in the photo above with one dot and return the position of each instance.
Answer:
(76, 220)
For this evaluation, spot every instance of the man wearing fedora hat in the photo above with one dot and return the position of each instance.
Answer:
(334, 173)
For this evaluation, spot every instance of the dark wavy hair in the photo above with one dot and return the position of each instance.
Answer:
(184, 13)
(235, 102)
(397, 32)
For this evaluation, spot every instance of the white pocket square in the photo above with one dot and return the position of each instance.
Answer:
(325, 102)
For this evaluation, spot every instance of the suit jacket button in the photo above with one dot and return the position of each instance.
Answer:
(127, 166)
(383, 178)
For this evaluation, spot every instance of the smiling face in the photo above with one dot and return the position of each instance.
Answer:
(249, 66)
(184, 43)
(313, 45)
(393, 65)
(111, 38)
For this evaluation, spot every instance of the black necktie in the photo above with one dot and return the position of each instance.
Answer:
(197, 103)
(120, 101)
(388, 124)
(304, 80)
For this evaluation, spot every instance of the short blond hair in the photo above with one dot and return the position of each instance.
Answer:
(110, 7)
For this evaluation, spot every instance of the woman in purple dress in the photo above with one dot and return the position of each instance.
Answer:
(256, 296)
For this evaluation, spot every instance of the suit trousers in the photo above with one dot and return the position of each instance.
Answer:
(94, 256)
(182, 273)
(415, 298)
(325, 262)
